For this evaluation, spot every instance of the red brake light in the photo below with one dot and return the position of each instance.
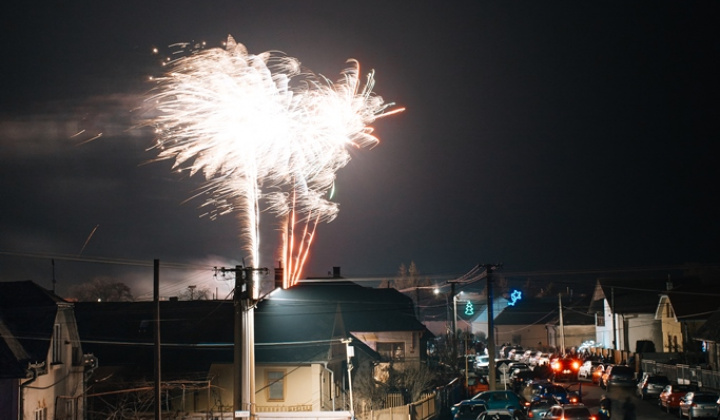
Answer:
(575, 365)
(556, 366)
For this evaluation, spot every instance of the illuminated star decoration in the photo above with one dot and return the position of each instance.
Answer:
(515, 296)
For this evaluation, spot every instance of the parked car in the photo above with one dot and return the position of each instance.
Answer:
(698, 404)
(669, 398)
(476, 384)
(650, 386)
(468, 409)
(569, 412)
(565, 369)
(519, 379)
(618, 375)
(502, 399)
(481, 364)
(538, 407)
(547, 390)
(502, 415)
(585, 371)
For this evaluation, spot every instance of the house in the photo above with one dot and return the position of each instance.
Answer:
(624, 311)
(681, 311)
(42, 365)
(302, 338)
(708, 334)
(534, 323)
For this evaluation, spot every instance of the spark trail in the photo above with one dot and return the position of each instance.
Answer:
(267, 135)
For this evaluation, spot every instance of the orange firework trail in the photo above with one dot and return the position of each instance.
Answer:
(265, 133)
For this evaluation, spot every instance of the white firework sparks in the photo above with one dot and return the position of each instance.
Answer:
(263, 132)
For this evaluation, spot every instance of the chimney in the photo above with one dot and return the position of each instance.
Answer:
(336, 272)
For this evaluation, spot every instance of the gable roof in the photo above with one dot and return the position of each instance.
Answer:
(27, 319)
(630, 296)
(693, 302)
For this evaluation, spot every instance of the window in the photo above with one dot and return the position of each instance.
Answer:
(57, 344)
(276, 385)
(41, 414)
(600, 319)
(392, 351)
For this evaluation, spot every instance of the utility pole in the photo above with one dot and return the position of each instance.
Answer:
(156, 303)
(562, 326)
(244, 300)
(489, 268)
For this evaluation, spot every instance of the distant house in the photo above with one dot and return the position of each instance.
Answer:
(681, 311)
(41, 360)
(534, 323)
(300, 356)
(708, 334)
(624, 311)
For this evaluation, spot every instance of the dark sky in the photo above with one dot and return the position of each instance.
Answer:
(556, 135)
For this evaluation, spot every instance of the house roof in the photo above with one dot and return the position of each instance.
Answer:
(545, 310)
(710, 330)
(27, 318)
(629, 296)
(293, 326)
(694, 302)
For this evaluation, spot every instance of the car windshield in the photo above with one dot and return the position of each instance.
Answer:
(620, 370)
(658, 380)
(577, 412)
(705, 399)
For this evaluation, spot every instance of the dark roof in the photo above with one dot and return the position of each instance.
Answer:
(633, 296)
(696, 302)
(710, 330)
(298, 325)
(545, 310)
(27, 318)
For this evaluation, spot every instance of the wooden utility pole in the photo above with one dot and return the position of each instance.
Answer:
(492, 376)
(156, 302)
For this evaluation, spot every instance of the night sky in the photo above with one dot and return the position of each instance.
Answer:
(548, 136)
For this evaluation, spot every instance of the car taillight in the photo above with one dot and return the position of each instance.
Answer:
(556, 366)
(593, 418)
(575, 365)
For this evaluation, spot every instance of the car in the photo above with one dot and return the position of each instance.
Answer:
(502, 415)
(546, 390)
(481, 364)
(585, 371)
(569, 412)
(650, 386)
(698, 404)
(519, 379)
(540, 406)
(598, 373)
(502, 400)
(669, 398)
(565, 369)
(468, 409)
(618, 375)
(476, 383)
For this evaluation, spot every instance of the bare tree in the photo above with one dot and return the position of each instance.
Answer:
(101, 289)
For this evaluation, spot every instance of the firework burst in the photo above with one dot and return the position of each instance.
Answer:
(266, 134)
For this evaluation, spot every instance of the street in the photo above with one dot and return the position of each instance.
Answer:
(591, 394)
(645, 409)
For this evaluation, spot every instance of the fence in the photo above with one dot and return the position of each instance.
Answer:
(684, 374)
(424, 409)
